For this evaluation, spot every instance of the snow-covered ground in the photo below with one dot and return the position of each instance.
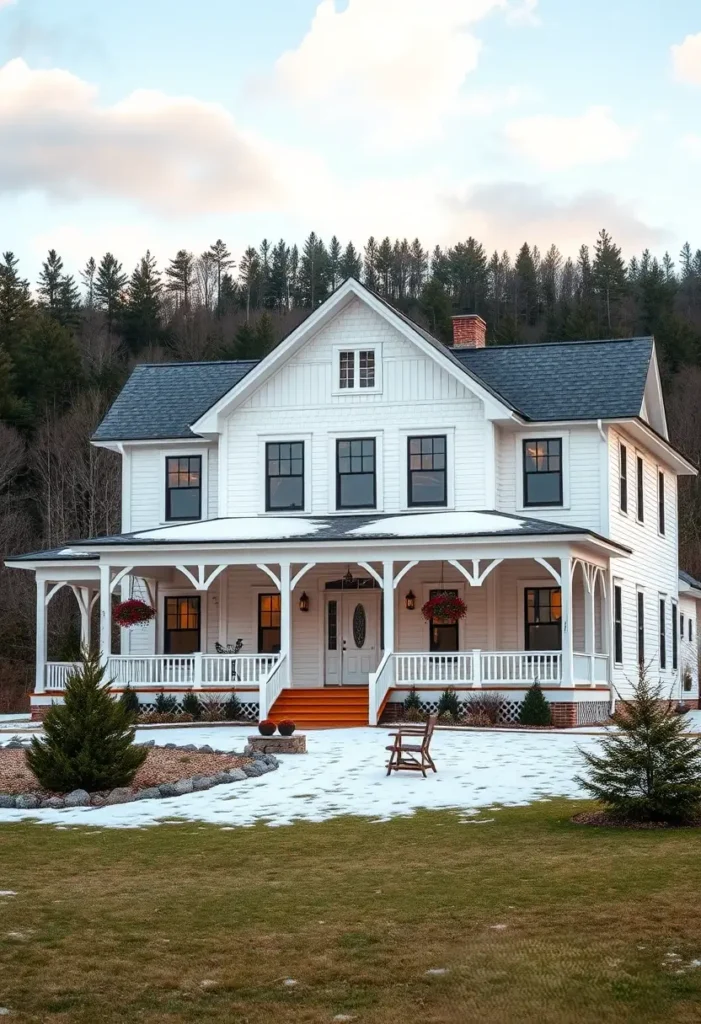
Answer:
(343, 773)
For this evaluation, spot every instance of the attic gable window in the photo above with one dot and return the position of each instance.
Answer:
(357, 369)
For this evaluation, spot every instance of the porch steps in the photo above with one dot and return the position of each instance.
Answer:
(333, 707)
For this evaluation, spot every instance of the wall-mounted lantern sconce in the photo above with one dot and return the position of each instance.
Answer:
(410, 600)
(304, 602)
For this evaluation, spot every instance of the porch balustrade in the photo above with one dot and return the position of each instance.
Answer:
(171, 670)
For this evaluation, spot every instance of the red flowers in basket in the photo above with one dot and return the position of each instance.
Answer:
(132, 613)
(447, 607)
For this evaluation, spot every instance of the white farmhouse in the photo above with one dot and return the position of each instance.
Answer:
(302, 510)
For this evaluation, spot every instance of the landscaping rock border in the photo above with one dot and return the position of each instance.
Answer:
(261, 764)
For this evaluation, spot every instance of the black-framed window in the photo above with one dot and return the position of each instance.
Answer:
(640, 470)
(542, 472)
(356, 485)
(427, 470)
(675, 638)
(332, 625)
(284, 476)
(660, 502)
(617, 624)
(444, 636)
(623, 477)
(183, 487)
(641, 628)
(681, 625)
(269, 623)
(182, 625)
(543, 618)
(691, 629)
(663, 633)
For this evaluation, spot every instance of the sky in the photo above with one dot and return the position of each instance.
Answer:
(166, 124)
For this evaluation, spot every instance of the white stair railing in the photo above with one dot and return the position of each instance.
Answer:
(270, 686)
(379, 684)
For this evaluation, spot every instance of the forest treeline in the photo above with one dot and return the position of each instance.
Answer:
(67, 343)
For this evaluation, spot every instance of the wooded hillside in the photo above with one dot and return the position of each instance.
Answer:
(67, 345)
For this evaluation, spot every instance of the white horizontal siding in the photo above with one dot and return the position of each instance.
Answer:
(689, 649)
(144, 490)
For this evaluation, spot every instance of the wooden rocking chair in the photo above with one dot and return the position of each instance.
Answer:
(412, 757)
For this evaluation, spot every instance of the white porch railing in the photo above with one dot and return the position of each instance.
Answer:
(379, 684)
(591, 668)
(271, 686)
(521, 667)
(174, 670)
(57, 672)
(418, 667)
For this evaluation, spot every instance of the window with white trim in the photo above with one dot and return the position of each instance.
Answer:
(357, 369)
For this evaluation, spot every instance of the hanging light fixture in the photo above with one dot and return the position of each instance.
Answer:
(410, 601)
(348, 580)
(304, 602)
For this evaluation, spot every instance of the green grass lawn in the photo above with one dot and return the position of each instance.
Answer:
(533, 919)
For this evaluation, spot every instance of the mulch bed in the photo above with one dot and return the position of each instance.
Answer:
(160, 766)
(604, 819)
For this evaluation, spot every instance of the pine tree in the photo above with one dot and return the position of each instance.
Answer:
(142, 313)
(108, 288)
(180, 278)
(50, 281)
(370, 276)
(609, 275)
(535, 709)
(526, 301)
(313, 272)
(418, 264)
(249, 271)
(222, 260)
(89, 739)
(383, 266)
(15, 300)
(650, 768)
(88, 275)
(351, 264)
(435, 306)
(334, 263)
(280, 276)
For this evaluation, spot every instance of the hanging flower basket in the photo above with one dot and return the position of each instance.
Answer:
(444, 607)
(132, 613)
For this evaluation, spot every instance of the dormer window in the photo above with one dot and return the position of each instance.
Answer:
(183, 488)
(357, 369)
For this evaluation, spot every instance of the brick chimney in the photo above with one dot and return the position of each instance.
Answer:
(469, 331)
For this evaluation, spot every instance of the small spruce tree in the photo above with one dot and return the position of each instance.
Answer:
(191, 705)
(535, 709)
(89, 739)
(449, 704)
(412, 702)
(232, 709)
(166, 705)
(130, 700)
(650, 768)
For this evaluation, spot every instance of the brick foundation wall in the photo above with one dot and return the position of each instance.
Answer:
(564, 716)
(39, 712)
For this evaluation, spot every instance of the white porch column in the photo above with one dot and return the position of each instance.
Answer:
(388, 605)
(589, 621)
(286, 616)
(567, 641)
(105, 613)
(40, 678)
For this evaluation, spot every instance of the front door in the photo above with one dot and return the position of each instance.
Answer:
(352, 636)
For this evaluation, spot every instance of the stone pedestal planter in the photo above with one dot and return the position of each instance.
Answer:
(295, 744)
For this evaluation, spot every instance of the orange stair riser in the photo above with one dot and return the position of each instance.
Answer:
(317, 708)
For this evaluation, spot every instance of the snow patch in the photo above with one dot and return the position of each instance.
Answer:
(343, 773)
(439, 524)
(236, 529)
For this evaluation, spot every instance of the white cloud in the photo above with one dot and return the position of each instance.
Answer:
(397, 67)
(176, 155)
(686, 59)
(558, 143)
(691, 144)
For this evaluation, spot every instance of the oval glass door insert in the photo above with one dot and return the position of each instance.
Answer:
(359, 625)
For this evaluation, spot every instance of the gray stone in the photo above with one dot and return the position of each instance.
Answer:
(189, 746)
(170, 746)
(206, 749)
(183, 786)
(167, 789)
(6, 800)
(253, 771)
(247, 750)
(204, 782)
(121, 795)
(221, 777)
(236, 775)
(151, 793)
(55, 802)
(148, 743)
(26, 802)
(77, 798)
(98, 800)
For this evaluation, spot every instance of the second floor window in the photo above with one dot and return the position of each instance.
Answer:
(427, 471)
(183, 487)
(542, 472)
(284, 476)
(617, 625)
(355, 473)
(623, 453)
(660, 502)
(675, 641)
(640, 469)
(641, 628)
(663, 633)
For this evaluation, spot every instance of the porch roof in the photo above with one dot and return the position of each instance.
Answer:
(246, 530)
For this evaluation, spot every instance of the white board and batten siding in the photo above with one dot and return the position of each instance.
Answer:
(689, 649)
(653, 565)
(299, 402)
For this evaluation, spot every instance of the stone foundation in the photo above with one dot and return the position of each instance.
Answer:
(295, 744)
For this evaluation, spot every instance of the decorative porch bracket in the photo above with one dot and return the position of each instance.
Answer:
(402, 573)
(302, 572)
(201, 581)
(119, 577)
(270, 573)
(475, 578)
(546, 565)
(590, 574)
(373, 572)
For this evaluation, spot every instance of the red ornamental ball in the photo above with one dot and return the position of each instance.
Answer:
(132, 613)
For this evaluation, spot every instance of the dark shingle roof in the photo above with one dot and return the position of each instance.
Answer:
(576, 380)
(162, 399)
(689, 579)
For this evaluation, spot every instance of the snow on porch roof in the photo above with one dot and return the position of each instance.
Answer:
(279, 529)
